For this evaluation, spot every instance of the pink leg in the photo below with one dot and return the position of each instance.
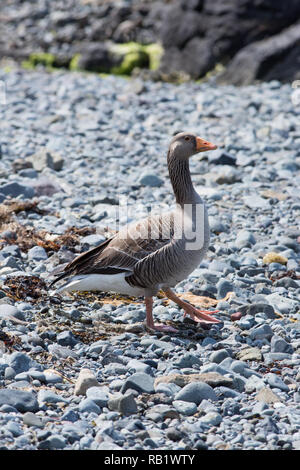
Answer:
(149, 319)
(199, 316)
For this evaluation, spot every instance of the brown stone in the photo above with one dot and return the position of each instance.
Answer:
(249, 354)
(267, 396)
(211, 378)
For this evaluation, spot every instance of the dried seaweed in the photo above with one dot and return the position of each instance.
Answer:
(22, 287)
(291, 273)
(27, 237)
(10, 341)
(72, 235)
(13, 206)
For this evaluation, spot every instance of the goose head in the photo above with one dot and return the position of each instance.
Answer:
(185, 144)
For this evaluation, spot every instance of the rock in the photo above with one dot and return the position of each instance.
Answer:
(46, 158)
(124, 404)
(89, 406)
(213, 379)
(268, 59)
(9, 373)
(70, 415)
(20, 362)
(261, 332)
(273, 257)
(139, 366)
(249, 354)
(66, 338)
(152, 180)
(106, 57)
(281, 303)
(16, 189)
(212, 31)
(169, 389)
(287, 282)
(37, 253)
(157, 344)
(267, 396)
(255, 202)
(161, 412)
(142, 383)
(227, 175)
(179, 26)
(184, 407)
(85, 380)
(47, 396)
(279, 345)
(187, 360)
(174, 434)
(221, 157)
(245, 239)
(10, 312)
(91, 241)
(276, 382)
(53, 442)
(61, 352)
(194, 60)
(223, 287)
(211, 418)
(236, 316)
(43, 186)
(52, 377)
(216, 226)
(31, 419)
(21, 400)
(254, 308)
(269, 358)
(218, 356)
(195, 392)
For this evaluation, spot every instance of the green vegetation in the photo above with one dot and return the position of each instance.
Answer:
(137, 55)
(39, 58)
(127, 56)
(74, 63)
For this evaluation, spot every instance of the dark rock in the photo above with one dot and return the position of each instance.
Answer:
(279, 345)
(66, 338)
(20, 362)
(16, 189)
(142, 383)
(125, 404)
(19, 399)
(179, 26)
(96, 57)
(45, 158)
(195, 59)
(269, 59)
(195, 392)
(221, 157)
(253, 309)
(219, 32)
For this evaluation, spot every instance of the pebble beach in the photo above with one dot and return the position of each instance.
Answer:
(80, 371)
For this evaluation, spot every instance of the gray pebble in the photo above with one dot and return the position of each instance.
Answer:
(142, 383)
(195, 392)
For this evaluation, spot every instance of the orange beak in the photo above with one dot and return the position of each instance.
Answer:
(203, 145)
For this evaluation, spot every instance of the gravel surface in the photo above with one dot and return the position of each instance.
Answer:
(81, 371)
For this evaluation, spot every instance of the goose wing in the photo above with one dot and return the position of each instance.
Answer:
(124, 250)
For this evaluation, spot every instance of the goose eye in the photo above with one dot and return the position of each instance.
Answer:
(186, 138)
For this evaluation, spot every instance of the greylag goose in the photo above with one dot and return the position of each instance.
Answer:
(157, 252)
